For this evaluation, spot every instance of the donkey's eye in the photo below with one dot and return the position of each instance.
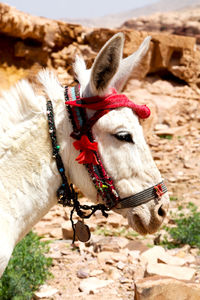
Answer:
(124, 136)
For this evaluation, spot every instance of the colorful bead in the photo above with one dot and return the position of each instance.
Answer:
(61, 169)
(57, 147)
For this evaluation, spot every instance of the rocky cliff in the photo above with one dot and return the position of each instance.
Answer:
(29, 43)
(183, 22)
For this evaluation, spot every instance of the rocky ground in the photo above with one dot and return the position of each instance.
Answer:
(117, 263)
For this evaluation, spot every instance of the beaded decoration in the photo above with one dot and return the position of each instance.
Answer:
(82, 127)
(66, 194)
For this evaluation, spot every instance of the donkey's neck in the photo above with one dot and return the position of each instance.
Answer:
(28, 172)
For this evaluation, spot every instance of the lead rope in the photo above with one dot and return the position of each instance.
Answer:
(66, 194)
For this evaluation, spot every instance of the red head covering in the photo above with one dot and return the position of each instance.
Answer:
(110, 102)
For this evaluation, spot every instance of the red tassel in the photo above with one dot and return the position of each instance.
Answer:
(87, 148)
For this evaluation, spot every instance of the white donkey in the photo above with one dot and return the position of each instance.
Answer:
(28, 174)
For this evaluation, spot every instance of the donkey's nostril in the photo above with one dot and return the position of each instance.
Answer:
(161, 211)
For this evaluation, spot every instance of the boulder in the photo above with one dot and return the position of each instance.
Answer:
(168, 53)
(181, 273)
(159, 254)
(164, 288)
(41, 30)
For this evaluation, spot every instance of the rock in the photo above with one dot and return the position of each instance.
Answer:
(49, 32)
(116, 220)
(95, 273)
(138, 271)
(105, 257)
(119, 257)
(156, 287)
(111, 257)
(120, 265)
(92, 284)
(188, 258)
(158, 254)
(182, 273)
(171, 53)
(133, 256)
(30, 52)
(110, 244)
(114, 273)
(56, 233)
(124, 280)
(55, 43)
(136, 245)
(67, 230)
(45, 291)
(82, 273)
(172, 131)
(159, 127)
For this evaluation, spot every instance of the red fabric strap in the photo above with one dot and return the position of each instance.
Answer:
(111, 101)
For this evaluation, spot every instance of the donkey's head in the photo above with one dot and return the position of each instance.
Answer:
(121, 144)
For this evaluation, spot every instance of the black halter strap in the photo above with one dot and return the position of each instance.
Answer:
(154, 192)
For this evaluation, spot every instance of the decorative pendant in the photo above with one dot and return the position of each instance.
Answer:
(82, 232)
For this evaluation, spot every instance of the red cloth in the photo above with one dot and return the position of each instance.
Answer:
(87, 156)
(111, 101)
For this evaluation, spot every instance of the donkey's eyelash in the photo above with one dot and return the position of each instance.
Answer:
(124, 137)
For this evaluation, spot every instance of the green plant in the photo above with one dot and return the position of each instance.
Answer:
(187, 230)
(28, 268)
(166, 136)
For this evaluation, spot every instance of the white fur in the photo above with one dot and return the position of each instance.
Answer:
(29, 176)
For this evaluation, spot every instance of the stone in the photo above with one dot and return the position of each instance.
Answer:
(114, 274)
(45, 291)
(136, 245)
(119, 257)
(120, 265)
(56, 233)
(92, 284)
(110, 244)
(133, 255)
(138, 271)
(181, 273)
(116, 220)
(67, 231)
(105, 257)
(81, 273)
(158, 254)
(95, 273)
(124, 280)
(172, 131)
(156, 287)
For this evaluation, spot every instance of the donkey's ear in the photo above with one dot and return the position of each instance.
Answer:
(106, 65)
(129, 63)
